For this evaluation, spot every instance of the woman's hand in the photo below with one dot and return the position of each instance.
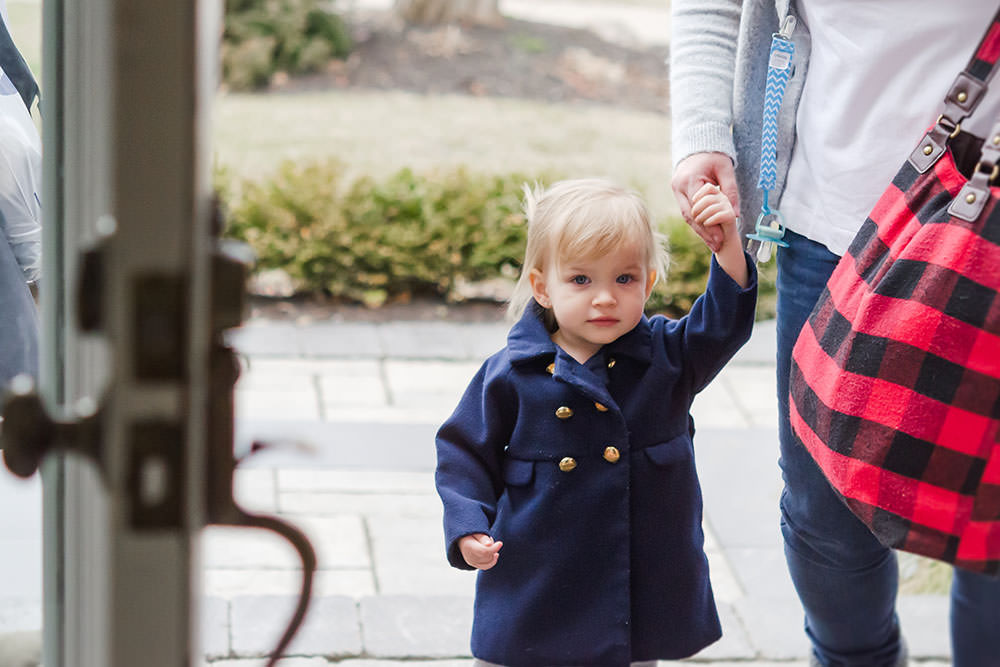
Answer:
(691, 174)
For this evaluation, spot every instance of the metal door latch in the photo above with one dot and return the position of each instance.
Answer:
(156, 484)
(229, 274)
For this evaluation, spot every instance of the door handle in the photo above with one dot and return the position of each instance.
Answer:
(28, 433)
(222, 508)
(230, 267)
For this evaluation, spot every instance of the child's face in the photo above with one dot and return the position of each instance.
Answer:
(594, 301)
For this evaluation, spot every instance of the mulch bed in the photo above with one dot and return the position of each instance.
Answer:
(518, 59)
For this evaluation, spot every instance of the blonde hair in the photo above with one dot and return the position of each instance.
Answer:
(583, 218)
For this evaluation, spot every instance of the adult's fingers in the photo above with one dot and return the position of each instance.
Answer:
(712, 236)
(695, 170)
(691, 174)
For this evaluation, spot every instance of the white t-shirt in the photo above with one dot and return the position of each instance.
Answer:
(878, 74)
(20, 177)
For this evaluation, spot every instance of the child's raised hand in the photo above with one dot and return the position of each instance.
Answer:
(711, 207)
(480, 551)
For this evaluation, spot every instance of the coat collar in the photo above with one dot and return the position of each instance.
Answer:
(529, 339)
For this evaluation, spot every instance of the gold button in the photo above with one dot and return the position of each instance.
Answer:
(564, 412)
(601, 407)
(567, 464)
(971, 197)
(962, 96)
(928, 150)
(551, 368)
(996, 140)
(611, 363)
(611, 454)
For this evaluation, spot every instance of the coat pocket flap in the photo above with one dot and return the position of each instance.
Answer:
(673, 451)
(517, 472)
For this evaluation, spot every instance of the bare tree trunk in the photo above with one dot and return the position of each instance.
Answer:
(449, 11)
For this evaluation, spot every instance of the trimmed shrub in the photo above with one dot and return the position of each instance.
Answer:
(373, 240)
(263, 37)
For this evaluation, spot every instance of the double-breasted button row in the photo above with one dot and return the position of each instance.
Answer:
(611, 455)
(565, 412)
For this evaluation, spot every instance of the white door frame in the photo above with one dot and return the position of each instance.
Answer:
(128, 86)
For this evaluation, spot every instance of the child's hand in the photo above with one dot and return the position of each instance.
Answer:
(480, 551)
(710, 207)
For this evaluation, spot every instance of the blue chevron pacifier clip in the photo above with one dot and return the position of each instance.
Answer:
(769, 228)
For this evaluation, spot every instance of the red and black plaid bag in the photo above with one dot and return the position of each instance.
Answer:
(895, 380)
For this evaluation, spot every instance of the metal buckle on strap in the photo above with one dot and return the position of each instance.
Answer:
(994, 172)
(953, 130)
(968, 205)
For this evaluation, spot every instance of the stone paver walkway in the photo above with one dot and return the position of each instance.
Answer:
(356, 406)
(352, 409)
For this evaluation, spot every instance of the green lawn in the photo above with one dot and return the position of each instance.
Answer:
(380, 132)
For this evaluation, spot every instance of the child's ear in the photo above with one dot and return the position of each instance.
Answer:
(650, 281)
(538, 288)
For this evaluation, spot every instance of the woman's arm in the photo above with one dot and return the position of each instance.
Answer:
(702, 67)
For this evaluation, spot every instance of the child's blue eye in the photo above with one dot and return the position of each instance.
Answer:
(580, 280)
(625, 279)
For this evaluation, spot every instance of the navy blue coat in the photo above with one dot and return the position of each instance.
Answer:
(602, 560)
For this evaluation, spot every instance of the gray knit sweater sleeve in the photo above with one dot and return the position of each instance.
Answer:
(702, 66)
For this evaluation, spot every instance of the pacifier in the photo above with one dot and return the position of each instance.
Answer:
(769, 230)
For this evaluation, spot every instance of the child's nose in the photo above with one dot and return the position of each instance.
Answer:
(604, 297)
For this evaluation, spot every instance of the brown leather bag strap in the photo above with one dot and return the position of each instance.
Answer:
(972, 198)
(963, 97)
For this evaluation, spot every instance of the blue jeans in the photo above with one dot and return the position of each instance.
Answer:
(18, 321)
(845, 578)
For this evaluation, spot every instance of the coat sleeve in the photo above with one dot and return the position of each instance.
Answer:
(702, 68)
(469, 456)
(719, 324)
